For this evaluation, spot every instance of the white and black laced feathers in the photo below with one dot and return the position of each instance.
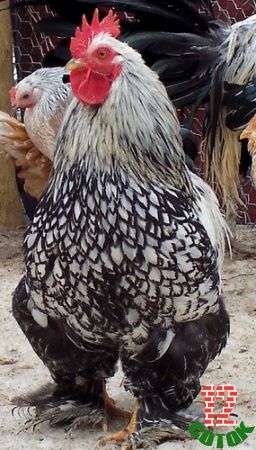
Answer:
(124, 254)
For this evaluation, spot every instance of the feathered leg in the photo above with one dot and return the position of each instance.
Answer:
(166, 387)
(79, 394)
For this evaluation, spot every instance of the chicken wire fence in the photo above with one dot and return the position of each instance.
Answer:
(31, 46)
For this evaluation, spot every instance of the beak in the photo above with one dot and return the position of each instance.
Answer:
(76, 64)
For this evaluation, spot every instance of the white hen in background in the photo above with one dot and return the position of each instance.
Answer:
(31, 144)
(45, 98)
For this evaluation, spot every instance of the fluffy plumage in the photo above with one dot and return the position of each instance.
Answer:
(123, 258)
(33, 167)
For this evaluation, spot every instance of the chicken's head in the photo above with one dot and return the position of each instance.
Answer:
(96, 63)
(36, 86)
(25, 95)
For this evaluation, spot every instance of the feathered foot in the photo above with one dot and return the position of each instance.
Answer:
(151, 437)
(79, 393)
(59, 408)
(167, 387)
(138, 434)
(72, 410)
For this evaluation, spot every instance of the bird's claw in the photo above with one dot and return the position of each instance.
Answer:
(72, 415)
(151, 437)
(93, 421)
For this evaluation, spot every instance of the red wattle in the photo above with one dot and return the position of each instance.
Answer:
(89, 87)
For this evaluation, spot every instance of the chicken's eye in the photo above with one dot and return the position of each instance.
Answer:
(25, 96)
(102, 54)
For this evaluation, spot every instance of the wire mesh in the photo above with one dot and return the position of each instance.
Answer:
(31, 46)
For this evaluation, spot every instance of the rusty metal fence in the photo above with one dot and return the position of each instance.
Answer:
(31, 46)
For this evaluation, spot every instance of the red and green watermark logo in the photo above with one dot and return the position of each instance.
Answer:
(207, 437)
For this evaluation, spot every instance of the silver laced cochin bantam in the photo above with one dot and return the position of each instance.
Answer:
(123, 258)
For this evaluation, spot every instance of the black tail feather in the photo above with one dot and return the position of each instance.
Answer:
(164, 43)
(216, 97)
(241, 101)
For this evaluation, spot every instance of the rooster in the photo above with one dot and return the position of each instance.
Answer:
(123, 258)
(31, 144)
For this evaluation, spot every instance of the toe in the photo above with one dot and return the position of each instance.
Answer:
(151, 437)
(119, 437)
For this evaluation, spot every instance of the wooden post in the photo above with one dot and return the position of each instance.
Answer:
(10, 203)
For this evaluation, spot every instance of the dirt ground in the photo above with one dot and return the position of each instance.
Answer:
(21, 370)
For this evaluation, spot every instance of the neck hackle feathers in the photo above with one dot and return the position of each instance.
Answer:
(85, 34)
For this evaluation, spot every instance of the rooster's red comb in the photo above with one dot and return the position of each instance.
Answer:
(84, 35)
